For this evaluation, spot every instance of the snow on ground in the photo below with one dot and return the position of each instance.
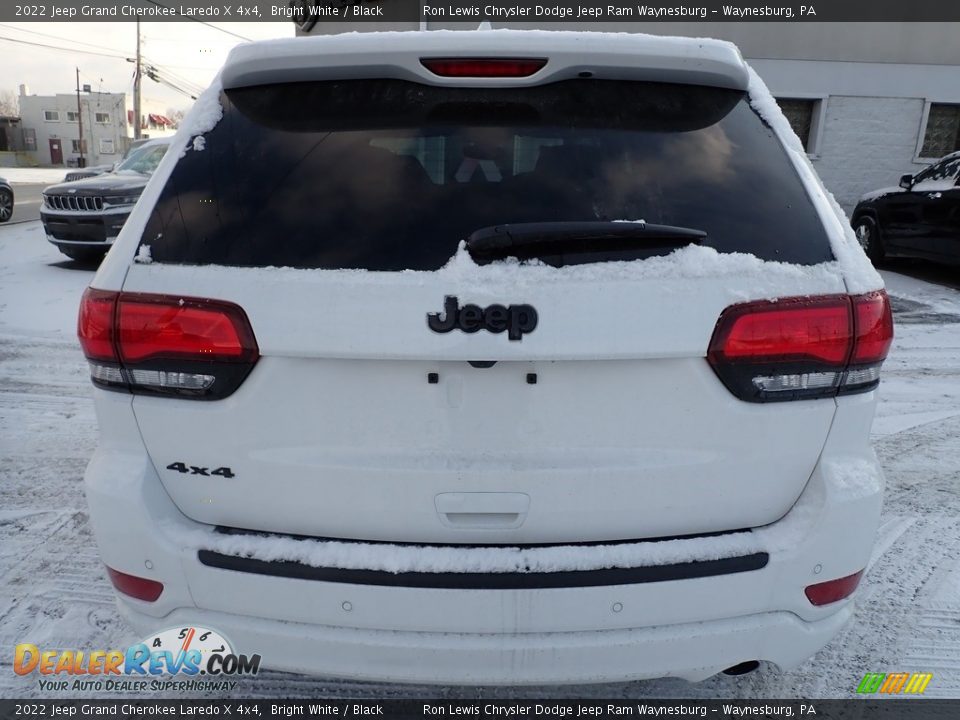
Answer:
(33, 175)
(53, 590)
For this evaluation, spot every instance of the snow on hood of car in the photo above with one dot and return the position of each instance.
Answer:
(874, 194)
(781, 279)
(103, 183)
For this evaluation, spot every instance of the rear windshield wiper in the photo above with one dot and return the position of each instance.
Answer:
(573, 243)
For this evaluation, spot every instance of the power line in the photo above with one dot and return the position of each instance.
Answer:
(54, 47)
(164, 68)
(54, 37)
(196, 20)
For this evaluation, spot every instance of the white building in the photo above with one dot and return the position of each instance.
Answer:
(51, 128)
(871, 101)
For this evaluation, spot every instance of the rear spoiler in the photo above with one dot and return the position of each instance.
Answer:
(399, 55)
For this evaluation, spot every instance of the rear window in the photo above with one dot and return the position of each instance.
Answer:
(392, 175)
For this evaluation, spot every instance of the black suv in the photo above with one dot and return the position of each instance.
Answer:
(921, 218)
(84, 217)
(6, 201)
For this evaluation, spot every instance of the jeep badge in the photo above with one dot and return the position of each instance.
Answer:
(515, 319)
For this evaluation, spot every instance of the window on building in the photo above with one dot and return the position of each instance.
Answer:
(72, 116)
(942, 134)
(51, 115)
(103, 117)
(75, 146)
(800, 114)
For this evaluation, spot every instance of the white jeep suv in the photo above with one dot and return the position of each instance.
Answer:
(488, 357)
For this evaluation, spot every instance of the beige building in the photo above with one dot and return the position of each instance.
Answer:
(50, 126)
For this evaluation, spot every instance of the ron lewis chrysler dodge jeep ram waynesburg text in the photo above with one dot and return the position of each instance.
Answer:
(488, 357)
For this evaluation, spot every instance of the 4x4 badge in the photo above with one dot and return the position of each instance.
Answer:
(515, 319)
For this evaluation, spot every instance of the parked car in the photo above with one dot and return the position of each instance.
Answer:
(84, 217)
(86, 172)
(920, 218)
(6, 201)
(488, 357)
(95, 170)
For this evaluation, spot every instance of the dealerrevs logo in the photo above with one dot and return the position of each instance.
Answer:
(182, 652)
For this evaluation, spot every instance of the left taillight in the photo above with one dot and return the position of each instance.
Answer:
(165, 345)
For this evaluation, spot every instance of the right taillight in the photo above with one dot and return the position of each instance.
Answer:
(165, 345)
(799, 348)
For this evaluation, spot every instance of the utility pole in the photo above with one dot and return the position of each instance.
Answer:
(136, 91)
(83, 163)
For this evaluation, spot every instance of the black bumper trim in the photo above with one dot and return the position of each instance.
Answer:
(489, 581)
(88, 227)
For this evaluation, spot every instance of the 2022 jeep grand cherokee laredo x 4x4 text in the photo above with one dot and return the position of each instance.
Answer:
(488, 357)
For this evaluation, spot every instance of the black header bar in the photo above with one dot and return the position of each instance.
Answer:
(495, 11)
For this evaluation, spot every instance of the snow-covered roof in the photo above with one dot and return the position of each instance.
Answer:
(699, 61)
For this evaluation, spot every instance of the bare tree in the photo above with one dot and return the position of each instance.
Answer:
(9, 104)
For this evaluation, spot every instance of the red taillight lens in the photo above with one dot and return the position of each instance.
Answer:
(833, 590)
(157, 326)
(166, 345)
(136, 587)
(95, 324)
(797, 329)
(799, 348)
(483, 67)
(874, 324)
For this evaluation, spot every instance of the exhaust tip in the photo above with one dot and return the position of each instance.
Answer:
(743, 668)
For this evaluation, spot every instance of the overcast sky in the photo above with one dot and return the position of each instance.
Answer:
(188, 50)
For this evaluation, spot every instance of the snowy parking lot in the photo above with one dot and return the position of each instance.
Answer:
(53, 590)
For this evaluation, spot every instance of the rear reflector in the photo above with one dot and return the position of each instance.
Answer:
(483, 67)
(166, 345)
(136, 587)
(833, 590)
(799, 348)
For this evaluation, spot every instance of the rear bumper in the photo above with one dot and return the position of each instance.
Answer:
(690, 628)
(693, 651)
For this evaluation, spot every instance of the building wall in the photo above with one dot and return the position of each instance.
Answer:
(99, 136)
(867, 143)
(872, 116)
